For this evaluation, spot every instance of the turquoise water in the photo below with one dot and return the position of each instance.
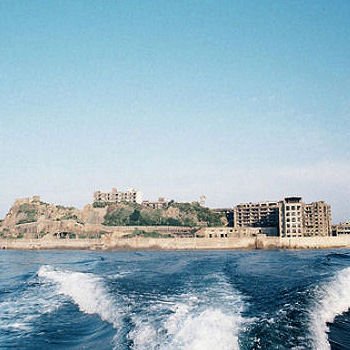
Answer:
(175, 300)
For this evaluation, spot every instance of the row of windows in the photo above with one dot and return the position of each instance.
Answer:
(293, 207)
(294, 219)
(221, 235)
(293, 230)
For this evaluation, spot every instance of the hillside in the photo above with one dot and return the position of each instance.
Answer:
(31, 210)
(175, 214)
(32, 218)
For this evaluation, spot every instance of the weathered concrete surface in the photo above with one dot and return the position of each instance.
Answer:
(109, 243)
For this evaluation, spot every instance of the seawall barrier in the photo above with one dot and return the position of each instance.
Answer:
(135, 243)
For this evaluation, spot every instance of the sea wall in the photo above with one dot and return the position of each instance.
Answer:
(38, 244)
(111, 243)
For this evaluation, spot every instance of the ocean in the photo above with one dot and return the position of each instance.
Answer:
(195, 300)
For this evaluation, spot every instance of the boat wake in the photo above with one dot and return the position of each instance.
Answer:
(86, 290)
(208, 316)
(333, 299)
(205, 319)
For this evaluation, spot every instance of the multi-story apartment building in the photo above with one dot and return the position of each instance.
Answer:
(317, 219)
(264, 214)
(291, 217)
(115, 196)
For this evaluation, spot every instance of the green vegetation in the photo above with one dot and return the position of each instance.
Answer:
(69, 217)
(145, 234)
(28, 212)
(90, 236)
(176, 214)
(99, 204)
(118, 216)
(41, 234)
(203, 214)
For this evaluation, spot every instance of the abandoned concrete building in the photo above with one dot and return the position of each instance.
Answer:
(115, 196)
(290, 217)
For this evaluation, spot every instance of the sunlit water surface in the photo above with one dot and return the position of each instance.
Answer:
(175, 300)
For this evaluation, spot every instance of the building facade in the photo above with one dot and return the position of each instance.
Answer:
(290, 216)
(235, 232)
(264, 214)
(161, 203)
(115, 196)
(317, 219)
(341, 229)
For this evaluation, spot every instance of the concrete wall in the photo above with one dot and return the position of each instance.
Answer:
(260, 242)
(34, 244)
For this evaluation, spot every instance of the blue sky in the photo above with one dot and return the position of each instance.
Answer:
(240, 101)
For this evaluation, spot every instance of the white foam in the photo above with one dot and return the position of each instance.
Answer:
(333, 300)
(86, 290)
(211, 328)
(209, 319)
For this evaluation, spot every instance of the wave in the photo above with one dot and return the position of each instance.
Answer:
(333, 299)
(205, 319)
(338, 256)
(19, 311)
(86, 290)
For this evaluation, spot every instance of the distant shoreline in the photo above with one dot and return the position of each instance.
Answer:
(169, 244)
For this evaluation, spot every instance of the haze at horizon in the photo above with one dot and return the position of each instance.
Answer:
(234, 100)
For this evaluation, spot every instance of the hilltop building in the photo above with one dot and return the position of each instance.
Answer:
(161, 203)
(290, 217)
(115, 196)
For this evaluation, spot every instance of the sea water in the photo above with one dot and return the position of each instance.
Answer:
(175, 300)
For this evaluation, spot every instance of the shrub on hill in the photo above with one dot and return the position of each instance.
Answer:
(176, 214)
(27, 213)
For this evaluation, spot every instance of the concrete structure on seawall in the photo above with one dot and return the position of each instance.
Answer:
(341, 229)
(235, 232)
(291, 217)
